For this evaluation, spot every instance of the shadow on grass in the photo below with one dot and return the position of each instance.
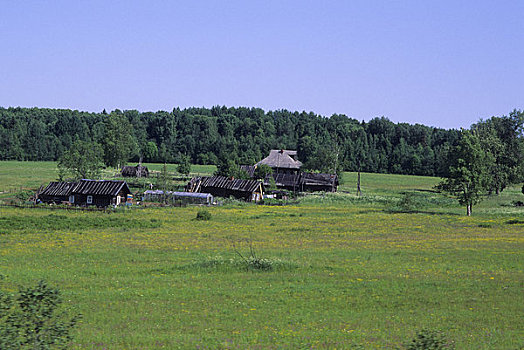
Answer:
(514, 222)
(368, 211)
(428, 212)
(426, 190)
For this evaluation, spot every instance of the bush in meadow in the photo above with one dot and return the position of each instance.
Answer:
(32, 319)
(427, 339)
(203, 214)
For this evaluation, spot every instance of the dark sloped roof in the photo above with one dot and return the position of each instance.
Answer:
(59, 188)
(302, 179)
(319, 179)
(288, 180)
(228, 184)
(100, 187)
(282, 159)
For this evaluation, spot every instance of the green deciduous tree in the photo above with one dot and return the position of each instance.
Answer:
(502, 137)
(184, 164)
(262, 171)
(149, 151)
(82, 161)
(119, 142)
(469, 171)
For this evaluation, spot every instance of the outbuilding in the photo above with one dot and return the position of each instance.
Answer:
(220, 186)
(135, 171)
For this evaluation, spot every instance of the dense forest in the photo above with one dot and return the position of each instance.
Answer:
(245, 135)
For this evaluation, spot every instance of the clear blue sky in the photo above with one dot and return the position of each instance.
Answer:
(439, 63)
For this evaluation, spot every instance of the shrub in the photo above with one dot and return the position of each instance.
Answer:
(32, 319)
(256, 263)
(203, 214)
(427, 339)
(219, 263)
(24, 195)
(409, 203)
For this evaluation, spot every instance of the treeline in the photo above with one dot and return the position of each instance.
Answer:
(245, 135)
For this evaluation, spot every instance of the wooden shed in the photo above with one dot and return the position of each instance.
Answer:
(318, 182)
(304, 182)
(220, 186)
(100, 193)
(289, 182)
(135, 171)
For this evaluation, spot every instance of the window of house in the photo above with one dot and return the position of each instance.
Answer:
(71, 199)
(89, 199)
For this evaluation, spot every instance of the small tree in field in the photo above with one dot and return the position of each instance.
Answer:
(184, 165)
(84, 160)
(468, 172)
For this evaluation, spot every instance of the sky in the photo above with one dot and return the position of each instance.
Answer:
(438, 63)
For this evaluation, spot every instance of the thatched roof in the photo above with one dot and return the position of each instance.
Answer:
(282, 159)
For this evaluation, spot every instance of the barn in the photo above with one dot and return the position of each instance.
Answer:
(100, 193)
(304, 182)
(135, 171)
(287, 174)
(220, 186)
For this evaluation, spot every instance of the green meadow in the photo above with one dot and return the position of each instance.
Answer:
(342, 271)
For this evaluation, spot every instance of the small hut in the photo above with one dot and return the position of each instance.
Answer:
(135, 171)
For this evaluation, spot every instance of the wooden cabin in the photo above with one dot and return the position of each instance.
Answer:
(100, 193)
(220, 186)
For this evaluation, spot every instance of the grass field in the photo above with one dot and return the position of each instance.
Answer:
(347, 271)
(30, 175)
